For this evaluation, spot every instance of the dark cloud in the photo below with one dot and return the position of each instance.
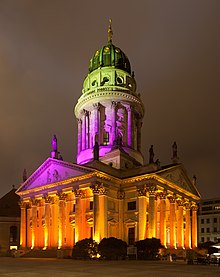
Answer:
(173, 47)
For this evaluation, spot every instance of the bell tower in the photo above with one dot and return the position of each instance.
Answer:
(110, 111)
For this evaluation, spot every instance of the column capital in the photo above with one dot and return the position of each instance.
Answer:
(23, 204)
(162, 194)
(180, 201)
(142, 191)
(114, 104)
(121, 194)
(194, 207)
(130, 108)
(98, 189)
(62, 196)
(78, 193)
(187, 205)
(79, 121)
(97, 106)
(152, 189)
(172, 198)
(35, 202)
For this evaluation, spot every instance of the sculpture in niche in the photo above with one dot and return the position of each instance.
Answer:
(121, 124)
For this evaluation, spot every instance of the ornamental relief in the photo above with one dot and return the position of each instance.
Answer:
(178, 179)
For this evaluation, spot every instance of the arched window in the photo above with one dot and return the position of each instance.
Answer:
(13, 233)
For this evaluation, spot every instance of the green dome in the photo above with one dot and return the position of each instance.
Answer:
(110, 55)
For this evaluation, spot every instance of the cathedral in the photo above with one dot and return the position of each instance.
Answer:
(109, 191)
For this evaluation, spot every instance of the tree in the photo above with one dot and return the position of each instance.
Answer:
(112, 248)
(85, 249)
(148, 248)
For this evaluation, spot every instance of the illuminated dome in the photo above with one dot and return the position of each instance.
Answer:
(110, 55)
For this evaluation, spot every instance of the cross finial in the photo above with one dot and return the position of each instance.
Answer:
(110, 33)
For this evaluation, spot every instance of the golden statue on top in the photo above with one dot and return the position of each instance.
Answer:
(110, 33)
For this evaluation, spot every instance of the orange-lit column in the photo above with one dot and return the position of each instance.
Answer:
(61, 223)
(188, 226)
(29, 224)
(23, 224)
(34, 223)
(47, 201)
(142, 212)
(163, 218)
(180, 231)
(54, 225)
(78, 195)
(151, 230)
(121, 196)
(69, 210)
(40, 241)
(103, 216)
(194, 226)
(96, 234)
(172, 200)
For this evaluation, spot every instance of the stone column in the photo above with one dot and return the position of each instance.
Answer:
(23, 226)
(78, 195)
(194, 226)
(121, 196)
(79, 135)
(34, 223)
(29, 224)
(47, 234)
(83, 129)
(61, 222)
(87, 130)
(96, 233)
(188, 226)
(97, 122)
(54, 227)
(130, 126)
(113, 120)
(180, 230)
(103, 215)
(172, 200)
(142, 212)
(69, 210)
(139, 124)
(151, 231)
(40, 241)
(163, 229)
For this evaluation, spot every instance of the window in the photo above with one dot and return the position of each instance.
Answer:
(207, 208)
(91, 232)
(202, 221)
(215, 229)
(131, 236)
(215, 220)
(91, 205)
(202, 239)
(13, 233)
(131, 205)
(207, 220)
(208, 238)
(74, 208)
(207, 230)
(202, 230)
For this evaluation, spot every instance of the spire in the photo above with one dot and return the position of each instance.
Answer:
(110, 33)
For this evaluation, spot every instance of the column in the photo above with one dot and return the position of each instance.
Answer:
(172, 200)
(113, 120)
(78, 194)
(29, 224)
(34, 224)
(163, 218)
(142, 212)
(83, 129)
(180, 230)
(23, 226)
(54, 225)
(103, 214)
(121, 196)
(40, 241)
(130, 126)
(79, 135)
(61, 224)
(96, 233)
(194, 226)
(139, 124)
(188, 226)
(47, 201)
(97, 122)
(69, 210)
(151, 228)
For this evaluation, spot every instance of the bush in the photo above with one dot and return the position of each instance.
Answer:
(112, 248)
(148, 249)
(85, 249)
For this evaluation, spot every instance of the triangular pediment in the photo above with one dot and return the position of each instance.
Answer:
(178, 176)
(52, 171)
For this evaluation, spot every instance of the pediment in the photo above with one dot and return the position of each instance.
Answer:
(179, 177)
(52, 171)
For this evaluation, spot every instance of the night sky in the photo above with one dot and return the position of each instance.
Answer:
(174, 50)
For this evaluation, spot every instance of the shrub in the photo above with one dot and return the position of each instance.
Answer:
(85, 249)
(148, 248)
(112, 248)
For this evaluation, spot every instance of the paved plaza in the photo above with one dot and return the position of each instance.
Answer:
(30, 267)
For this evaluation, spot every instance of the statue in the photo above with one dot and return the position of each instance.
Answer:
(151, 154)
(96, 151)
(174, 147)
(54, 143)
(24, 175)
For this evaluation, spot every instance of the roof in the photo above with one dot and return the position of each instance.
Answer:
(9, 204)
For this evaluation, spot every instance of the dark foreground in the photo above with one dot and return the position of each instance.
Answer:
(29, 267)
